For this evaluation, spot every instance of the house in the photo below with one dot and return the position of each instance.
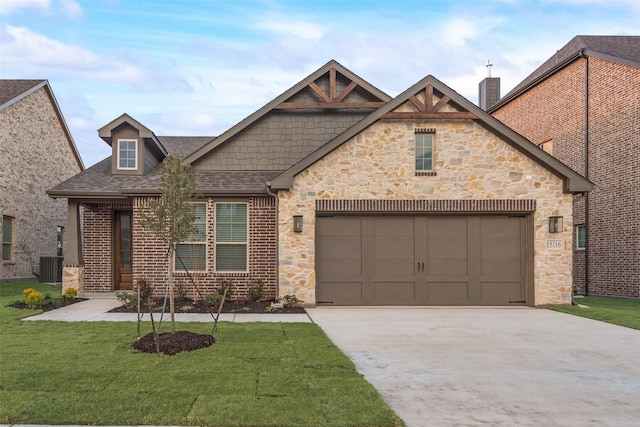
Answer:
(583, 106)
(36, 151)
(339, 194)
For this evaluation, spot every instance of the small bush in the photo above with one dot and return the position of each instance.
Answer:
(257, 290)
(26, 292)
(180, 291)
(291, 301)
(70, 293)
(146, 290)
(215, 298)
(127, 299)
(34, 299)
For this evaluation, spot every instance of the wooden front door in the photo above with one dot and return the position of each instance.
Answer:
(123, 251)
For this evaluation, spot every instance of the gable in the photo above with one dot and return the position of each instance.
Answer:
(294, 124)
(429, 99)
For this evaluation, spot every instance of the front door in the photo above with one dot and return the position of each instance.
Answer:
(123, 251)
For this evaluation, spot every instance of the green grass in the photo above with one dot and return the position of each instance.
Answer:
(622, 312)
(256, 374)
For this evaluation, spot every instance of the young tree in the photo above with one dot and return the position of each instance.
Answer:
(170, 217)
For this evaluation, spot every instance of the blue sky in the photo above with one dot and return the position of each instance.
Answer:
(197, 67)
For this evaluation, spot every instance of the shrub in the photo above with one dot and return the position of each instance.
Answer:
(291, 301)
(216, 297)
(180, 291)
(70, 293)
(146, 289)
(128, 299)
(257, 290)
(26, 292)
(34, 299)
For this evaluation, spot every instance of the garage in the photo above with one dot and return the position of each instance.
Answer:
(421, 260)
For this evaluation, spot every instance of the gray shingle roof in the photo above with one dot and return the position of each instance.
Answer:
(10, 89)
(623, 49)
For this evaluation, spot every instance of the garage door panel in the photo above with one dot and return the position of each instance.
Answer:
(461, 260)
(500, 292)
(394, 293)
(343, 293)
(448, 292)
(446, 267)
(336, 226)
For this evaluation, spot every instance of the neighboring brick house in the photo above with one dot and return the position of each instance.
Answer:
(36, 151)
(583, 106)
(339, 194)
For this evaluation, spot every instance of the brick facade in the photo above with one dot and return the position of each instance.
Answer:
(555, 110)
(149, 253)
(35, 153)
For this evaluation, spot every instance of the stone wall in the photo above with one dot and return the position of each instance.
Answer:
(35, 155)
(470, 163)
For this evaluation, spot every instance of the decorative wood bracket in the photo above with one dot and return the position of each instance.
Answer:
(427, 109)
(330, 100)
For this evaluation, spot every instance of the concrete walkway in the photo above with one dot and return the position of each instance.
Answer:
(494, 367)
(96, 309)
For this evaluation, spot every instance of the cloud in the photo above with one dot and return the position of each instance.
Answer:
(299, 28)
(26, 53)
(10, 6)
(71, 8)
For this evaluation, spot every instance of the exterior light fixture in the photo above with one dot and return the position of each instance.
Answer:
(297, 223)
(555, 224)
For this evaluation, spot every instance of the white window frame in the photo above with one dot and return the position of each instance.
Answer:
(177, 267)
(135, 150)
(419, 134)
(11, 241)
(578, 228)
(216, 243)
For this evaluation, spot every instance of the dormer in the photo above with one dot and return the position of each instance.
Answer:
(134, 147)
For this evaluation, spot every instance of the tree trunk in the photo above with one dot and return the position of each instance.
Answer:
(172, 302)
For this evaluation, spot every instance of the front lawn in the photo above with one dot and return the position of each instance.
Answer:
(256, 374)
(622, 312)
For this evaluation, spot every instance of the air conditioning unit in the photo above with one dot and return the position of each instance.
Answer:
(51, 269)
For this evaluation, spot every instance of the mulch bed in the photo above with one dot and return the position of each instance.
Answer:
(172, 343)
(187, 305)
(48, 306)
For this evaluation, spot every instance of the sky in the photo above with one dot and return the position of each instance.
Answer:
(197, 67)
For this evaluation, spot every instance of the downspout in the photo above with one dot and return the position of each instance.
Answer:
(275, 196)
(586, 171)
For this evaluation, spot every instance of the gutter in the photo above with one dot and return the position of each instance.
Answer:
(586, 170)
(277, 268)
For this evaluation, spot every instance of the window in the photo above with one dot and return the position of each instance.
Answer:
(231, 237)
(59, 239)
(7, 238)
(424, 150)
(581, 237)
(127, 158)
(192, 254)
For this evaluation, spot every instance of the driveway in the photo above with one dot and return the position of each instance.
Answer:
(492, 366)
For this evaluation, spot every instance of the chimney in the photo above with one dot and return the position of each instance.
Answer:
(488, 89)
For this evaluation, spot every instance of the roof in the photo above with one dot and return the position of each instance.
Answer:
(621, 49)
(98, 181)
(12, 91)
(573, 182)
(372, 90)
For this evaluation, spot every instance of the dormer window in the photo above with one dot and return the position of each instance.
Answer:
(127, 154)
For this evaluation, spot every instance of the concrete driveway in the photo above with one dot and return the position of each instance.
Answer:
(491, 366)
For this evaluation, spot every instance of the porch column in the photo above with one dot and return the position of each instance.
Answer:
(73, 266)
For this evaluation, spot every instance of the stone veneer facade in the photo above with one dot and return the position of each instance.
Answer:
(470, 163)
(35, 154)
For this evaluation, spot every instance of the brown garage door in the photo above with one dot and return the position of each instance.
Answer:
(476, 260)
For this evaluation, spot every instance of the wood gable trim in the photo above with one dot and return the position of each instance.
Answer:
(331, 100)
(573, 182)
(428, 110)
(337, 99)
